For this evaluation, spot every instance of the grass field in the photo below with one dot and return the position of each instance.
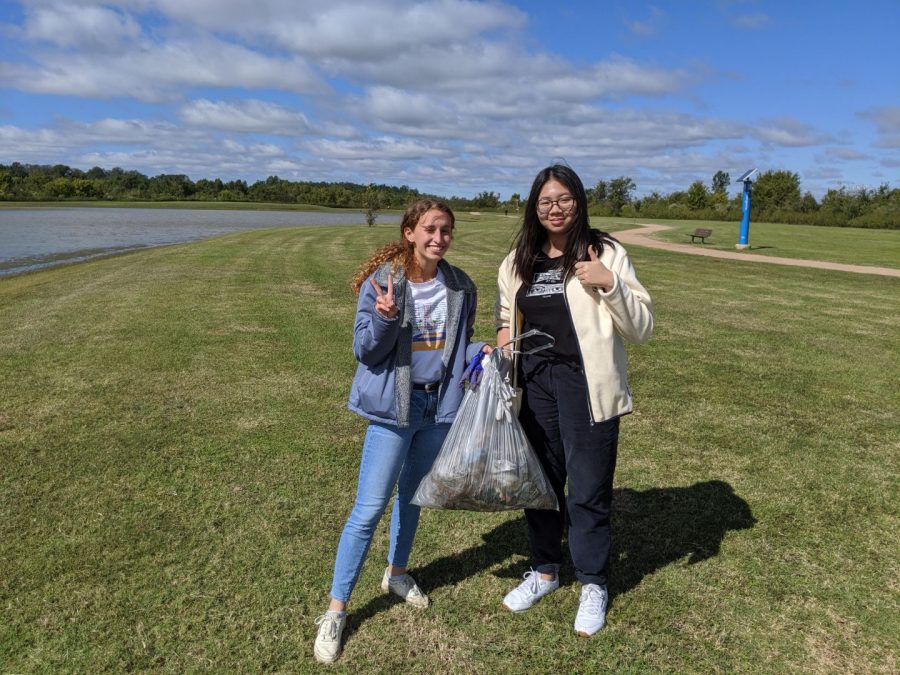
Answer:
(178, 461)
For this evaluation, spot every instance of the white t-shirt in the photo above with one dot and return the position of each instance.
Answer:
(429, 326)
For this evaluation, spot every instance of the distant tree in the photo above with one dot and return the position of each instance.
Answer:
(514, 200)
(720, 182)
(777, 195)
(698, 196)
(17, 170)
(208, 189)
(487, 200)
(171, 186)
(653, 205)
(237, 189)
(61, 171)
(274, 189)
(58, 188)
(96, 173)
(776, 191)
(123, 184)
(808, 204)
(599, 193)
(678, 197)
(620, 190)
(83, 188)
(718, 201)
(372, 203)
(7, 184)
(841, 205)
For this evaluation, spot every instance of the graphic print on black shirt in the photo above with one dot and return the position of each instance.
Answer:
(543, 307)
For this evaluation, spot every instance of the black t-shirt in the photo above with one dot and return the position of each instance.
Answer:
(543, 306)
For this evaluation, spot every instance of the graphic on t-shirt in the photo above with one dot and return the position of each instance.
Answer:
(429, 326)
(546, 283)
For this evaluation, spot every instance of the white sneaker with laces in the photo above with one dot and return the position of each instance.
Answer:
(591, 614)
(531, 590)
(327, 646)
(406, 587)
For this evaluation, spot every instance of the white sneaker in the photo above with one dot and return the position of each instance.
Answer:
(591, 609)
(531, 590)
(406, 587)
(327, 646)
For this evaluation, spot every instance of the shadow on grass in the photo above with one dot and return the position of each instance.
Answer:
(651, 529)
(654, 528)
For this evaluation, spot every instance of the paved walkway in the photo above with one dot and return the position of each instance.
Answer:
(641, 237)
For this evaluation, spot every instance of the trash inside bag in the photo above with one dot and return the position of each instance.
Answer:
(486, 462)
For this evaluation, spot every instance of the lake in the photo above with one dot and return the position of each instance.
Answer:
(33, 238)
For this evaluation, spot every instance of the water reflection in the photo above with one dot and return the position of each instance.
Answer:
(33, 238)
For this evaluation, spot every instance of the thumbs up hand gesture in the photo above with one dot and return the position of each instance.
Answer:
(593, 273)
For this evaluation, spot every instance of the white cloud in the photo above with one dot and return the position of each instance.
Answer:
(383, 148)
(267, 150)
(151, 68)
(27, 145)
(648, 27)
(848, 154)
(823, 173)
(887, 124)
(69, 25)
(340, 29)
(503, 72)
(245, 116)
(599, 143)
(601, 132)
(70, 134)
(458, 93)
(399, 108)
(255, 116)
(621, 76)
(282, 166)
(788, 132)
(376, 31)
(154, 75)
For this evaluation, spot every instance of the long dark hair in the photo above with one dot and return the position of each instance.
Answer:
(401, 253)
(533, 235)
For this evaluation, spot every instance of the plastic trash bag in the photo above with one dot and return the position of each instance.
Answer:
(486, 462)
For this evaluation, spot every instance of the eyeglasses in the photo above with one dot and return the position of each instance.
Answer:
(565, 203)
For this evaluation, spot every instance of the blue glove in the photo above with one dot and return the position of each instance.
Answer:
(472, 373)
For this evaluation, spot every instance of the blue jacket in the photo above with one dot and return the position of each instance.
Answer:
(383, 385)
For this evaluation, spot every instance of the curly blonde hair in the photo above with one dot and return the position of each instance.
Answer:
(401, 253)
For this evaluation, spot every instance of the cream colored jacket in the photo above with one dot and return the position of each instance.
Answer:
(602, 322)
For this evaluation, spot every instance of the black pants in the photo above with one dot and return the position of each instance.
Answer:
(556, 418)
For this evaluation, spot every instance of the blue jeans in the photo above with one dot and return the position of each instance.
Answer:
(390, 456)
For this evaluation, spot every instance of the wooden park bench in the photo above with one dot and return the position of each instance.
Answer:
(700, 233)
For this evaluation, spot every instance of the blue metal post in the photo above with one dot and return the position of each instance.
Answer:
(744, 237)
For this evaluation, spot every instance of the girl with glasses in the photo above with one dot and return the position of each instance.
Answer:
(578, 285)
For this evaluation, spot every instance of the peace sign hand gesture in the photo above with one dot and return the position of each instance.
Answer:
(593, 272)
(384, 302)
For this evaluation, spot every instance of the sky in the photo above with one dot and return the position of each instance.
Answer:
(456, 97)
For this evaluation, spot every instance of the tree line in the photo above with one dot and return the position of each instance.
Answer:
(777, 195)
(35, 182)
(40, 182)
